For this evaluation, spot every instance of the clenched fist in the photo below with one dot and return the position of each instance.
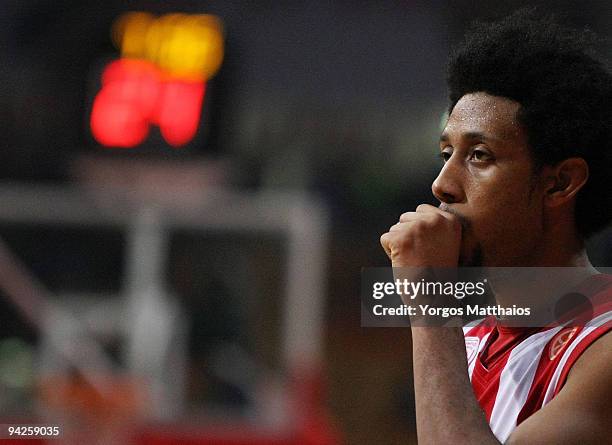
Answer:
(427, 237)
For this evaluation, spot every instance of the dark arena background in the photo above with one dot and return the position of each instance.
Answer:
(188, 191)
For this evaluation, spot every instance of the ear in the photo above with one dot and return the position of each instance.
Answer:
(565, 180)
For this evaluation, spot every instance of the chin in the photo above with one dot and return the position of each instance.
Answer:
(471, 257)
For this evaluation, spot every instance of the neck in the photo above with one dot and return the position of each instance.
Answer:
(558, 242)
(556, 267)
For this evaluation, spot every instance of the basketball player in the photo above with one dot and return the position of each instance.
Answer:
(527, 153)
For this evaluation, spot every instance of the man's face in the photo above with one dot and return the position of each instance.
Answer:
(487, 180)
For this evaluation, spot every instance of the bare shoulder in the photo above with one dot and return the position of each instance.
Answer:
(595, 360)
(581, 412)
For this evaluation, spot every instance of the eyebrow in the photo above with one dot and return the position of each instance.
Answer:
(444, 137)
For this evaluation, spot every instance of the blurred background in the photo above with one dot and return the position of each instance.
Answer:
(188, 191)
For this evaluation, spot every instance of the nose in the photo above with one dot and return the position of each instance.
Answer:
(447, 187)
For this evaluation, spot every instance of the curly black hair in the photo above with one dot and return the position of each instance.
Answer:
(565, 93)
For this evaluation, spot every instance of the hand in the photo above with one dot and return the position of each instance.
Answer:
(428, 237)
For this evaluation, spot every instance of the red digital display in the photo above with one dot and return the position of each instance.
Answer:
(159, 80)
(135, 94)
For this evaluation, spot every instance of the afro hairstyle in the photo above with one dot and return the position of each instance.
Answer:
(564, 91)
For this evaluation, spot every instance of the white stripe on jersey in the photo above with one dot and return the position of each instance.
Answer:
(481, 345)
(471, 324)
(588, 328)
(515, 382)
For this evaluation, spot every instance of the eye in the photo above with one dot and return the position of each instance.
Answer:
(479, 155)
(445, 154)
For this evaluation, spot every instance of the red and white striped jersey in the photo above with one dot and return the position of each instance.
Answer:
(516, 371)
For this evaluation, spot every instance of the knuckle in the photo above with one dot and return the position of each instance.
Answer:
(454, 221)
(439, 220)
(386, 241)
(384, 238)
(431, 220)
(420, 227)
(434, 217)
(406, 236)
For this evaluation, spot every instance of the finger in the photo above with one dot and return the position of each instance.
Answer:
(415, 216)
(404, 225)
(428, 208)
(408, 216)
(398, 226)
(384, 242)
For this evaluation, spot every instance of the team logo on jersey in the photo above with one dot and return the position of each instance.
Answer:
(560, 341)
(471, 347)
